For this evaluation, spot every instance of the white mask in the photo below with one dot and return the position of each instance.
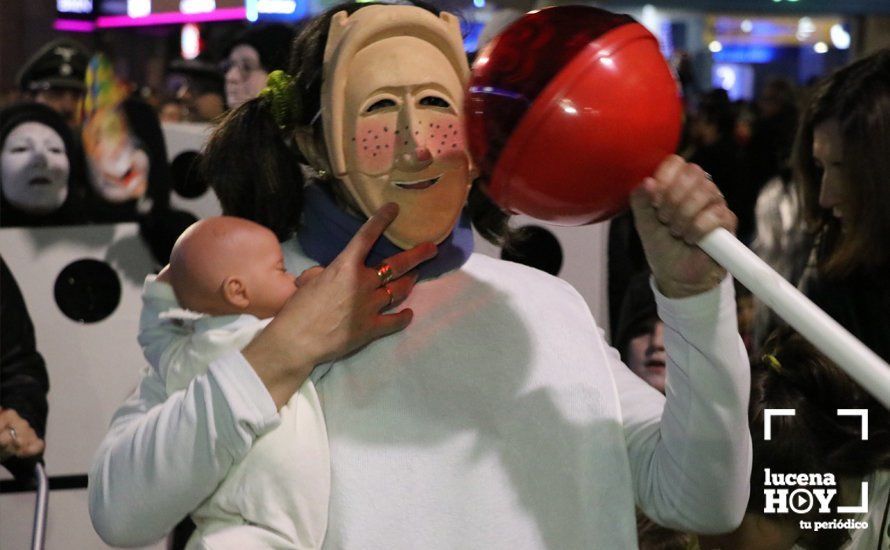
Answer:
(34, 168)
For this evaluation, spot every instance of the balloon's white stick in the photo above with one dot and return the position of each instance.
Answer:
(862, 364)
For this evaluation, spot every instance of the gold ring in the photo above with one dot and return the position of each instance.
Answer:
(384, 272)
(389, 294)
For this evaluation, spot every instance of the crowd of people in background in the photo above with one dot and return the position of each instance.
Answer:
(805, 169)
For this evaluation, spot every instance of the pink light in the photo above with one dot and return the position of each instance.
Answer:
(170, 18)
(74, 25)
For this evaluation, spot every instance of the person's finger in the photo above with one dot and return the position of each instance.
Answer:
(367, 235)
(308, 275)
(685, 182)
(691, 206)
(403, 262)
(7, 416)
(664, 176)
(398, 291)
(33, 448)
(714, 216)
(6, 440)
(641, 196)
(391, 322)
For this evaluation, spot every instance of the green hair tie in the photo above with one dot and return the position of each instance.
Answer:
(774, 363)
(280, 93)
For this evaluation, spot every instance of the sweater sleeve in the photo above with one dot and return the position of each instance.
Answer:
(690, 453)
(158, 334)
(23, 377)
(162, 456)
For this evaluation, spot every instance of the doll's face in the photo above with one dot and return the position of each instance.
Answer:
(118, 166)
(403, 138)
(34, 168)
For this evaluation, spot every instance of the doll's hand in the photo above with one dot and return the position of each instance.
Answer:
(164, 275)
(17, 437)
(672, 211)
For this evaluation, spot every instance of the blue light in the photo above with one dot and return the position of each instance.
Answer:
(471, 32)
(737, 53)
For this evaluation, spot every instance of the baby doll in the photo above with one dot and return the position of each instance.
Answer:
(228, 274)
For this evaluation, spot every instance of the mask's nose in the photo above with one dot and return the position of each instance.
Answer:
(41, 157)
(412, 154)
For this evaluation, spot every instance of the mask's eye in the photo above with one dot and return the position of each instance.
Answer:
(382, 104)
(434, 101)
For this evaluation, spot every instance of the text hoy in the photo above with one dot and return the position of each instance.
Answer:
(812, 490)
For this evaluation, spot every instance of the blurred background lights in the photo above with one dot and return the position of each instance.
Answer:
(840, 38)
(726, 76)
(746, 25)
(805, 28)
(820, 47)
(190, 41)
(715, 46)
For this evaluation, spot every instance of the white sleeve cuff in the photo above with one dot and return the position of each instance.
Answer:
(251, 405)
(691, 311)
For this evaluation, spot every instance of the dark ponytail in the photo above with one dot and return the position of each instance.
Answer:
(253, 170)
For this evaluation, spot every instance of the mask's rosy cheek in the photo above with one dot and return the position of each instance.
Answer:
(374, 143)
(444, 133)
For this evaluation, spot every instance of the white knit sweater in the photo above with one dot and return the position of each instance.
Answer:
(499, 418)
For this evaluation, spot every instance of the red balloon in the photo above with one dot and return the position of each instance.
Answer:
(568, 110)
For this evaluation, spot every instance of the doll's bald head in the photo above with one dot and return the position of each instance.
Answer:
(227, 265)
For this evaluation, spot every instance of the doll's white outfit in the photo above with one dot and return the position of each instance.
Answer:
(277, 495)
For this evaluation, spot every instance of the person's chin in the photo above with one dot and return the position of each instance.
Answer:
(654, 375)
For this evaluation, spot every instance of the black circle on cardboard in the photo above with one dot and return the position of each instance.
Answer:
(87, 291)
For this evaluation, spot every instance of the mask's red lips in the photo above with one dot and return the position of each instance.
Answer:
(417, 185)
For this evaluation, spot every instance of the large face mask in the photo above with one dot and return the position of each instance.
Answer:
(34, 168)
(118, 166)
(392, 99)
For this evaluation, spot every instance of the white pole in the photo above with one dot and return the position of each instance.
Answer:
(862, 364)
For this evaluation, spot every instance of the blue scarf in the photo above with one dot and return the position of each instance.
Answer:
(327, 229)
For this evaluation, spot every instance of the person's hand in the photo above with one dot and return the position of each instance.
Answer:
(672, 211)
(335, 310)
(17, 437)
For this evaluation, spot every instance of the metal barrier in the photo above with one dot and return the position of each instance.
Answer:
(38, 533)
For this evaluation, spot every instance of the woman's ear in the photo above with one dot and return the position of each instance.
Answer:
(235, 292)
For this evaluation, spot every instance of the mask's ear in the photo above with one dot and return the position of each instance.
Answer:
(335, 33)
(234, 292)
(332, 96)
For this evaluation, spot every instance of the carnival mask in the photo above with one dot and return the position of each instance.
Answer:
(392, 99)
(35, 168)
(118, 165)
